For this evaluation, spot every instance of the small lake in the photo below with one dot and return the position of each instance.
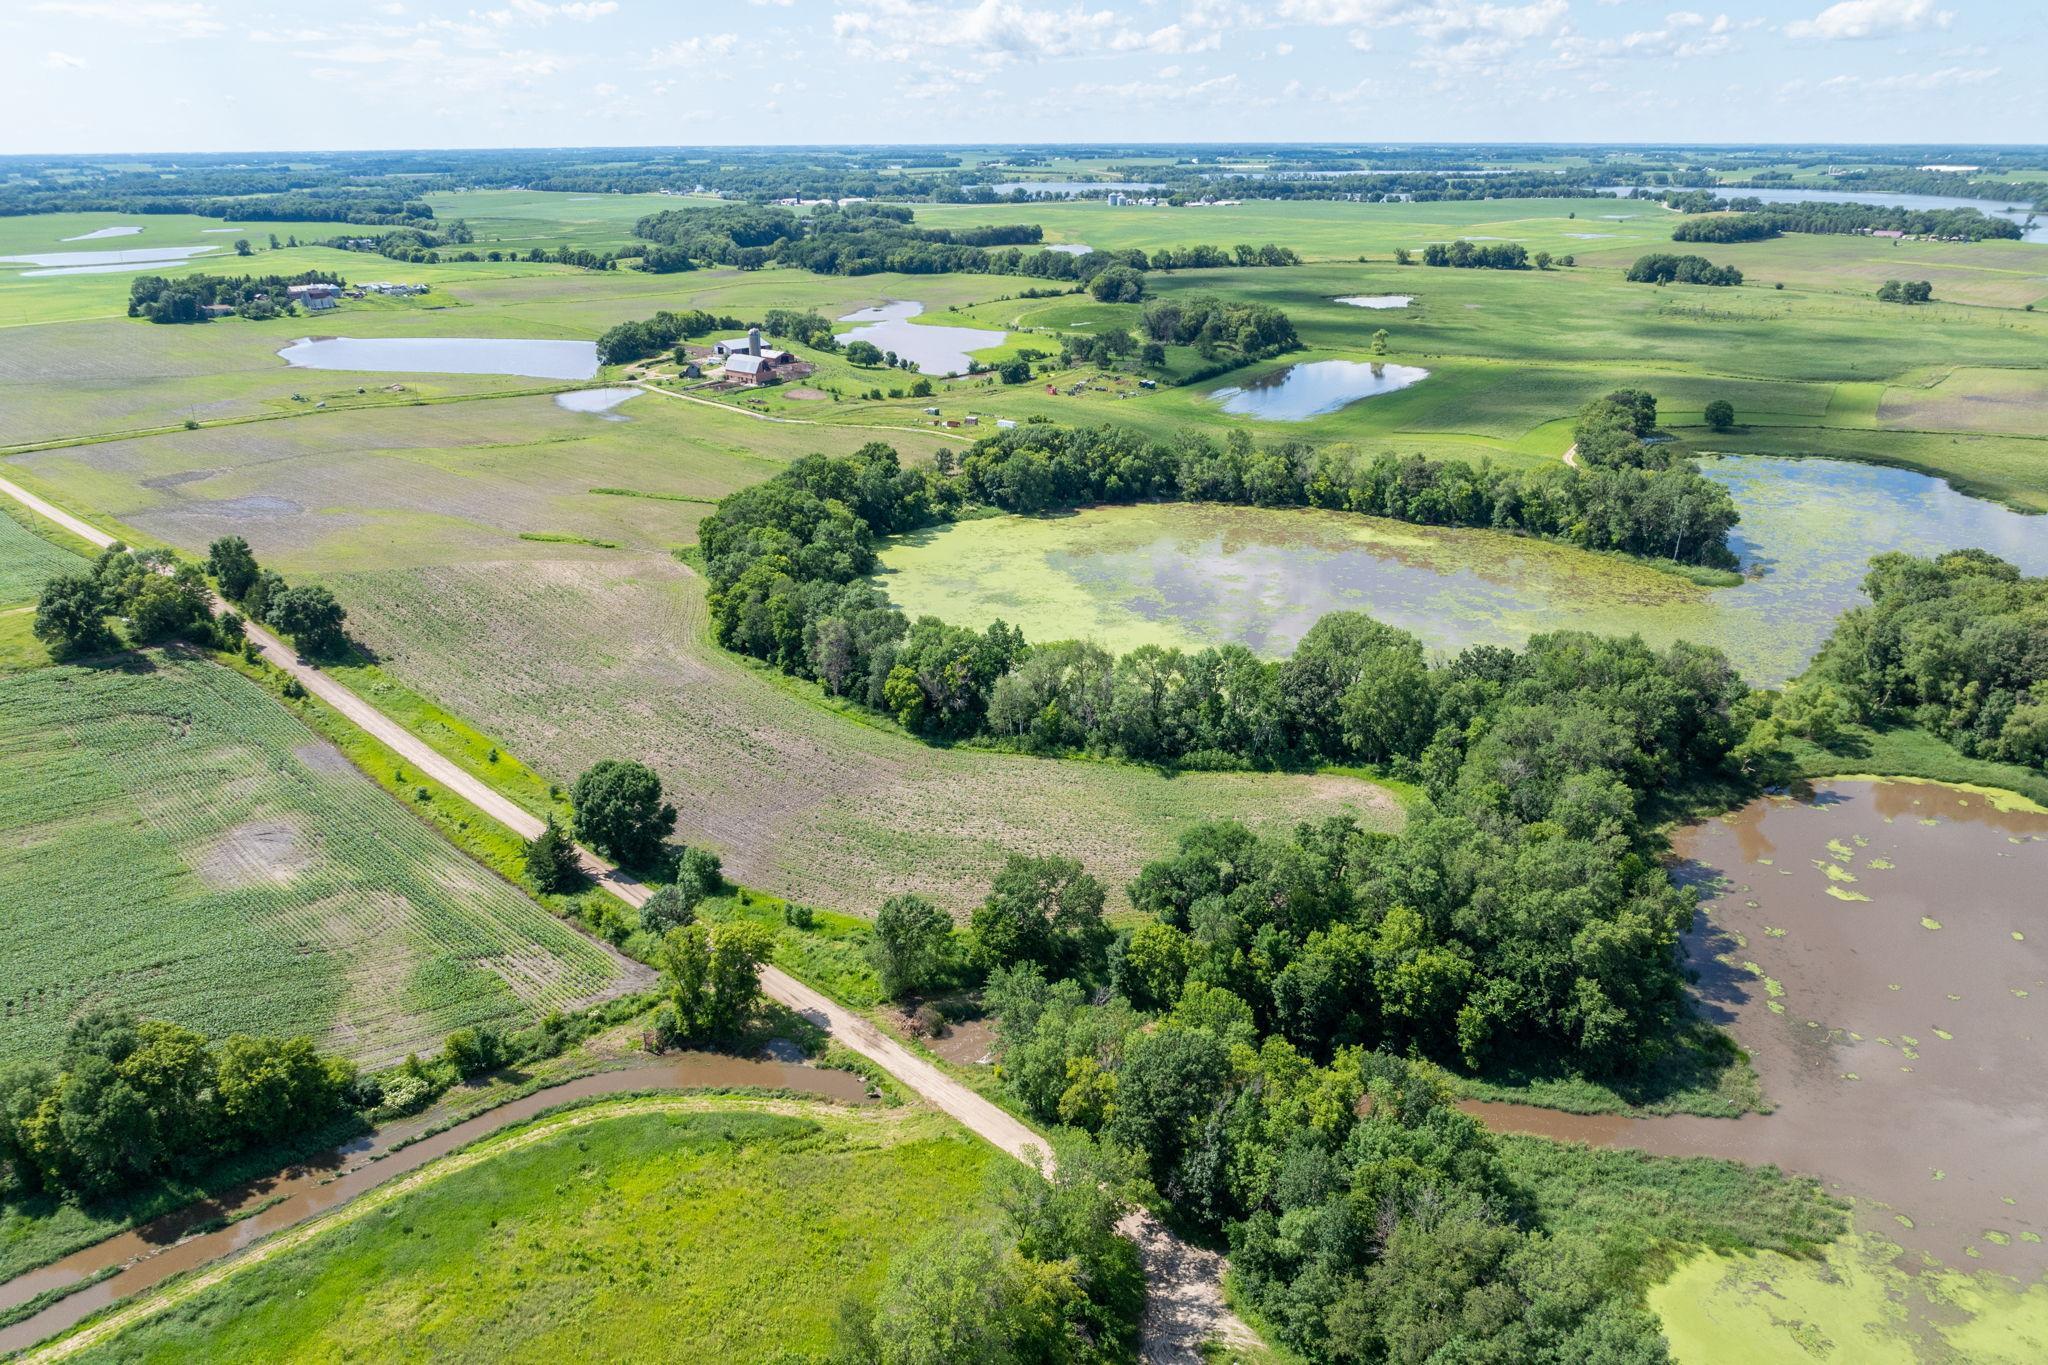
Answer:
(96, 235)
(932, 349)
(1070, 248)
(599, 401)
(1193, 575)
(105, 262)
(1378, 300)
(1990, 208)
(1295, 393)
(446, 355)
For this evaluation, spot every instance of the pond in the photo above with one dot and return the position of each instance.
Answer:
(599, 401)
(105, 262)
(1378, 300)
(1176, 574)
(1295, 393)
(1070, 248)
(1880, 949)
(446, 355)
(1991, 208)
(99, 233)
(932, 349)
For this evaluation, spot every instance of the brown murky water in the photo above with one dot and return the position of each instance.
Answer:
(1881, 950)
(158, 1250)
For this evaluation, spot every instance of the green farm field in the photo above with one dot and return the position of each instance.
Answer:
(176, 843)
(665, 1228)
(605, 656)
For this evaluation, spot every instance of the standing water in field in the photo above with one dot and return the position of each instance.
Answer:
(934, 350)
(1196, 575)
(1378, 300)
(598, 401)
(98, 233)
(1295, 393)
(446, 355)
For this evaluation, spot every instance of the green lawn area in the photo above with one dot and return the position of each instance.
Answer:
(668, 1228)
(175, 842)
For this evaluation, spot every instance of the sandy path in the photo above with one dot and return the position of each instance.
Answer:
(1184, 1297)
(1571, 456)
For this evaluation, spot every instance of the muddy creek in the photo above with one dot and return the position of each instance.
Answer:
(190, 1237)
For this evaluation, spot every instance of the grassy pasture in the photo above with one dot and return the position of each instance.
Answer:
(660, 1228)
(177, 843)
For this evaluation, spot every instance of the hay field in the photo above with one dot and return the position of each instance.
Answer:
(173, 841)
(573, 660)
(446, 484)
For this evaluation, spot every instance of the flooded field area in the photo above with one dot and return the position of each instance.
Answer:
(445, 355)
(932, 349)
(1295, 393)
(598, 401)
(1196, 575)
(1378, 300)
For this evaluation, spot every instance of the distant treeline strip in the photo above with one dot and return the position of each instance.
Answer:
(1751, 220)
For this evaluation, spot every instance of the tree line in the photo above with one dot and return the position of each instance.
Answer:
(865, 239)
(126, 1101)
(1752, 220)
(787, 560)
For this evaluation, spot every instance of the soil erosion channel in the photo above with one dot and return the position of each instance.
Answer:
(179, 1241)
(1881, 950)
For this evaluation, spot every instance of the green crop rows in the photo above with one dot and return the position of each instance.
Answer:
(173, 841)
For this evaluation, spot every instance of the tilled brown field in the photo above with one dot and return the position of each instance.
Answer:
(572, 661)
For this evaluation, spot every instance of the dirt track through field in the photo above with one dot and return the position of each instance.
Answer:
(1184, 1301)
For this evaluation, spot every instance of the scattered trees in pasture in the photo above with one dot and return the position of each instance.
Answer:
(1720, 415)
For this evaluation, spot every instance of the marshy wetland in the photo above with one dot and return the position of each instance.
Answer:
(1193, 576)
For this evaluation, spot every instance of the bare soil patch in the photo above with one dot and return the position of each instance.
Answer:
(252, 854)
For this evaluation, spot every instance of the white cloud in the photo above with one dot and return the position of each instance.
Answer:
(63, 61)
(1912, 82)
(1001, 30)
(1870, 19)
(149, 16)
(695, 50)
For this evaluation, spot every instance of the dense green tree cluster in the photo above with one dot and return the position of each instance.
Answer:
(1465, 255)
(651, 336)
(1958, 644)
(786, 560)
(620, 813)
(186, 297)
(1613, 432)
(1906, 291)
(1215, 327)
(1664, 268)
(710, 979)
(160, 598)
(128, 1100)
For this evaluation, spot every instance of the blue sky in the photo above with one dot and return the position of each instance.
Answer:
(212, 75)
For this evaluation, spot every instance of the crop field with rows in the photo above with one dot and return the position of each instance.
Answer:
(173, 841)
(609, 659)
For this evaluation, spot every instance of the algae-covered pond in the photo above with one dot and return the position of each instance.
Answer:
(1191, 575)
